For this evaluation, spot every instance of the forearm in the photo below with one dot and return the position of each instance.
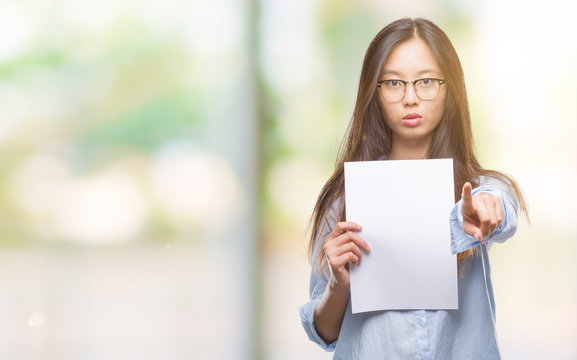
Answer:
(330, 311)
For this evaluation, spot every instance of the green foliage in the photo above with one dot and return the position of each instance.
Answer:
(149, 125)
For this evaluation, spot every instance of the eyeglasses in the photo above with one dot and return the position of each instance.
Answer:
(425, 89)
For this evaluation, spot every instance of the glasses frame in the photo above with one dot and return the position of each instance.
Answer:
(405, 82)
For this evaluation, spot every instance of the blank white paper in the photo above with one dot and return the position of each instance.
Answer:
(403, 207)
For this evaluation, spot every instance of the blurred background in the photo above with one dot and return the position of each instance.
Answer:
(160, 161)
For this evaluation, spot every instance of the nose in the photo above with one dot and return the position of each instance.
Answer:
(410, 98)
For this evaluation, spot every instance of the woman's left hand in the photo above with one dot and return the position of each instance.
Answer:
(482, 213)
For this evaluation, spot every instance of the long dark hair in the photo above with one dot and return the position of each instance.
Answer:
(369, 137)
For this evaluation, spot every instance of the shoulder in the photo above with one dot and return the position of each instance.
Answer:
(493, 181)
(333, 213)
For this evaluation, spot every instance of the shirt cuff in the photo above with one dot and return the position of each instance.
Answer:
(307, 319)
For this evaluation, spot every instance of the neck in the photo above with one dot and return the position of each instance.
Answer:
(403, 150)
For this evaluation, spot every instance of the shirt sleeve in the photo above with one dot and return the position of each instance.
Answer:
(460, 241)
(318, 283)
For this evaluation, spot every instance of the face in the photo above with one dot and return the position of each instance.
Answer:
(411, 119)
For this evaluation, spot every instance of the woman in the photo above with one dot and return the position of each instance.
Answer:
(411, 104)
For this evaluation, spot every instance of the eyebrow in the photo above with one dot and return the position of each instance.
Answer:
(422, 72)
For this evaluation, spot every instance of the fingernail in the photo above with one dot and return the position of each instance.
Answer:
(483, 241)
(479, 236)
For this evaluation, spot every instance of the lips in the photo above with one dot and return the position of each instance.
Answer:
(412, 119)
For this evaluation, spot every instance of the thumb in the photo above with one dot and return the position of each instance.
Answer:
(474, 231)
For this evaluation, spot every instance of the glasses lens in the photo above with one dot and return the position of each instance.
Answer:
(427, 89)
(392, 90)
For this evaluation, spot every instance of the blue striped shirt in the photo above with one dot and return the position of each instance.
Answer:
(467, 333)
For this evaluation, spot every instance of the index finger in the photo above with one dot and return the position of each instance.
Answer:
(344, 226)
(467, 196)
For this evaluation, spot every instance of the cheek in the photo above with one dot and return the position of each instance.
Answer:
(438, 109)
(390, 111)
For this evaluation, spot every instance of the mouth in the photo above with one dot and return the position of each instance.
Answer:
(412, 119)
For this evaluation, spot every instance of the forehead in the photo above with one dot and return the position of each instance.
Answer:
(411, 58)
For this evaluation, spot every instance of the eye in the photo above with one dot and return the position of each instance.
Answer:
(393, 83)
(427, 82)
